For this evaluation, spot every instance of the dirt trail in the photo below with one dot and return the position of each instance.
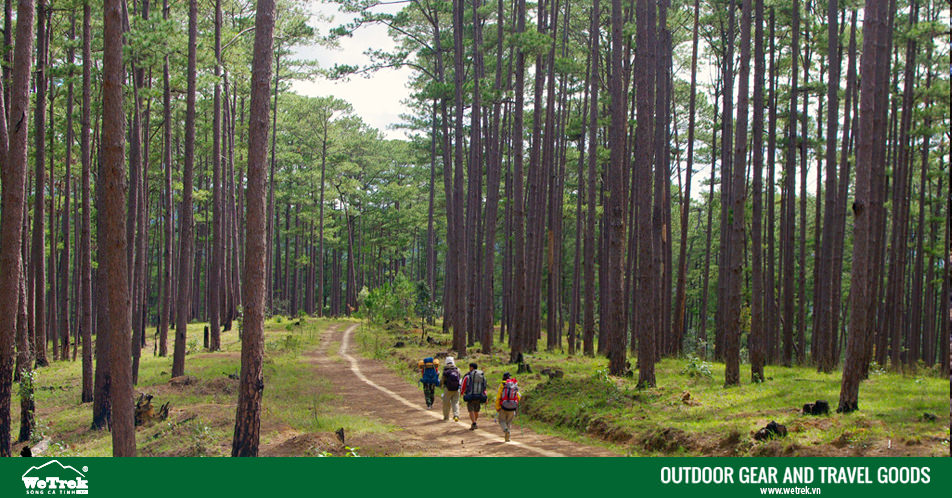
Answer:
(367, 388)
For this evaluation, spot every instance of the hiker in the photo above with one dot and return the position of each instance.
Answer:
(474, 392)
(507, 402)
(451, 381)
(430, 378)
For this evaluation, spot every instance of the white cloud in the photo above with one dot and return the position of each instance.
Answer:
(377, 98)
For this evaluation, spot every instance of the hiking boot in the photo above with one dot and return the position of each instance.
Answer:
(473, 427)
(507, 436)
(455, 419)
(429, 407)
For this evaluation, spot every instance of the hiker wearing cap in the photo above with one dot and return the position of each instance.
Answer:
(474, 392)
(451, 382)
(430, 378)
(507, 402)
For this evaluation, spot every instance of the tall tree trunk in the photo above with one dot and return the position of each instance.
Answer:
(535, 200)
(894, 322)
(612, 279)
(916, 335)
(865, 203)
(138, 154)
(681, 293)
(218, 245)
(86, 289)
(822, 331)
(787, 198)
(756, 342)
(183, 305)
(169, 226)
(660, 246)
(51, 302)
(802, 251)
(519, 331)
(459, 325)
(320, 249)
(474, 175)
(63, 271)
(113, 238)
(702, 317)
(579, 230)
(733, 319)
(272, 221)
(723, 274)
(494, 166)
(771, 308)
(24, 359)
(38, 259)
(588, 315)
(13, 149)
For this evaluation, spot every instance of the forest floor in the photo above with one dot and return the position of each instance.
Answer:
(690, 413)
(368, 389)
(323, 375)
(299, 409)
(313, 387)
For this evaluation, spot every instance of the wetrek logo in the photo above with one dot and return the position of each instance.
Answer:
(54, 478)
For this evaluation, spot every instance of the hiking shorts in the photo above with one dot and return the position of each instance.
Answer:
(473, 406)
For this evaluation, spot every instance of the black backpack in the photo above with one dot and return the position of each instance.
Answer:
(475, 387)
(451, 379)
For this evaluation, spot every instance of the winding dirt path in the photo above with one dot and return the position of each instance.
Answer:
(367, 388)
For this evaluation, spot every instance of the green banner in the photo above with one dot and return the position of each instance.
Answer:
(668, 477)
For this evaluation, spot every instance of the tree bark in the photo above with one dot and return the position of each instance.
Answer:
(756, 342)
(13, 149)
(733, 319)
(218, 245)
(186, 237)
(680, 306)
(588, 315)
(248, 416)
(864, 204)
(112, 237)
(613, 316)
(86, 289)
(519, 331)
(38, 259)
(787, 198)
(822, 324)
(169, 226)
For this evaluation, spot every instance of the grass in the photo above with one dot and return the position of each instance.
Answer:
(295, 400)
(690, 412)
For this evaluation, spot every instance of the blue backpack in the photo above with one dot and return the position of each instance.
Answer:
(430, 373)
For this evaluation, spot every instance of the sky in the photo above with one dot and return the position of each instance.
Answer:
(377, 99)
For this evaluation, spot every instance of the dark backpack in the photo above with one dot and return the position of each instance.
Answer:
(509, 400)
(475, 387)
(451, 379)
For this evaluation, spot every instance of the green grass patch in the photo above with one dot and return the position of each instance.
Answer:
(295, 399)
(690, 412)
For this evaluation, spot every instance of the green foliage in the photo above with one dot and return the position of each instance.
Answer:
(696, 368)
(27, 384)
(391, 301)
(348, 452)
(200, 440)
(425, 307)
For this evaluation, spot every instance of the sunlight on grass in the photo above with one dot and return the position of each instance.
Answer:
(586, 403)
(202, 416)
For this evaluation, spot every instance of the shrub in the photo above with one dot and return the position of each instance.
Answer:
(697, 368)
(390, 302)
